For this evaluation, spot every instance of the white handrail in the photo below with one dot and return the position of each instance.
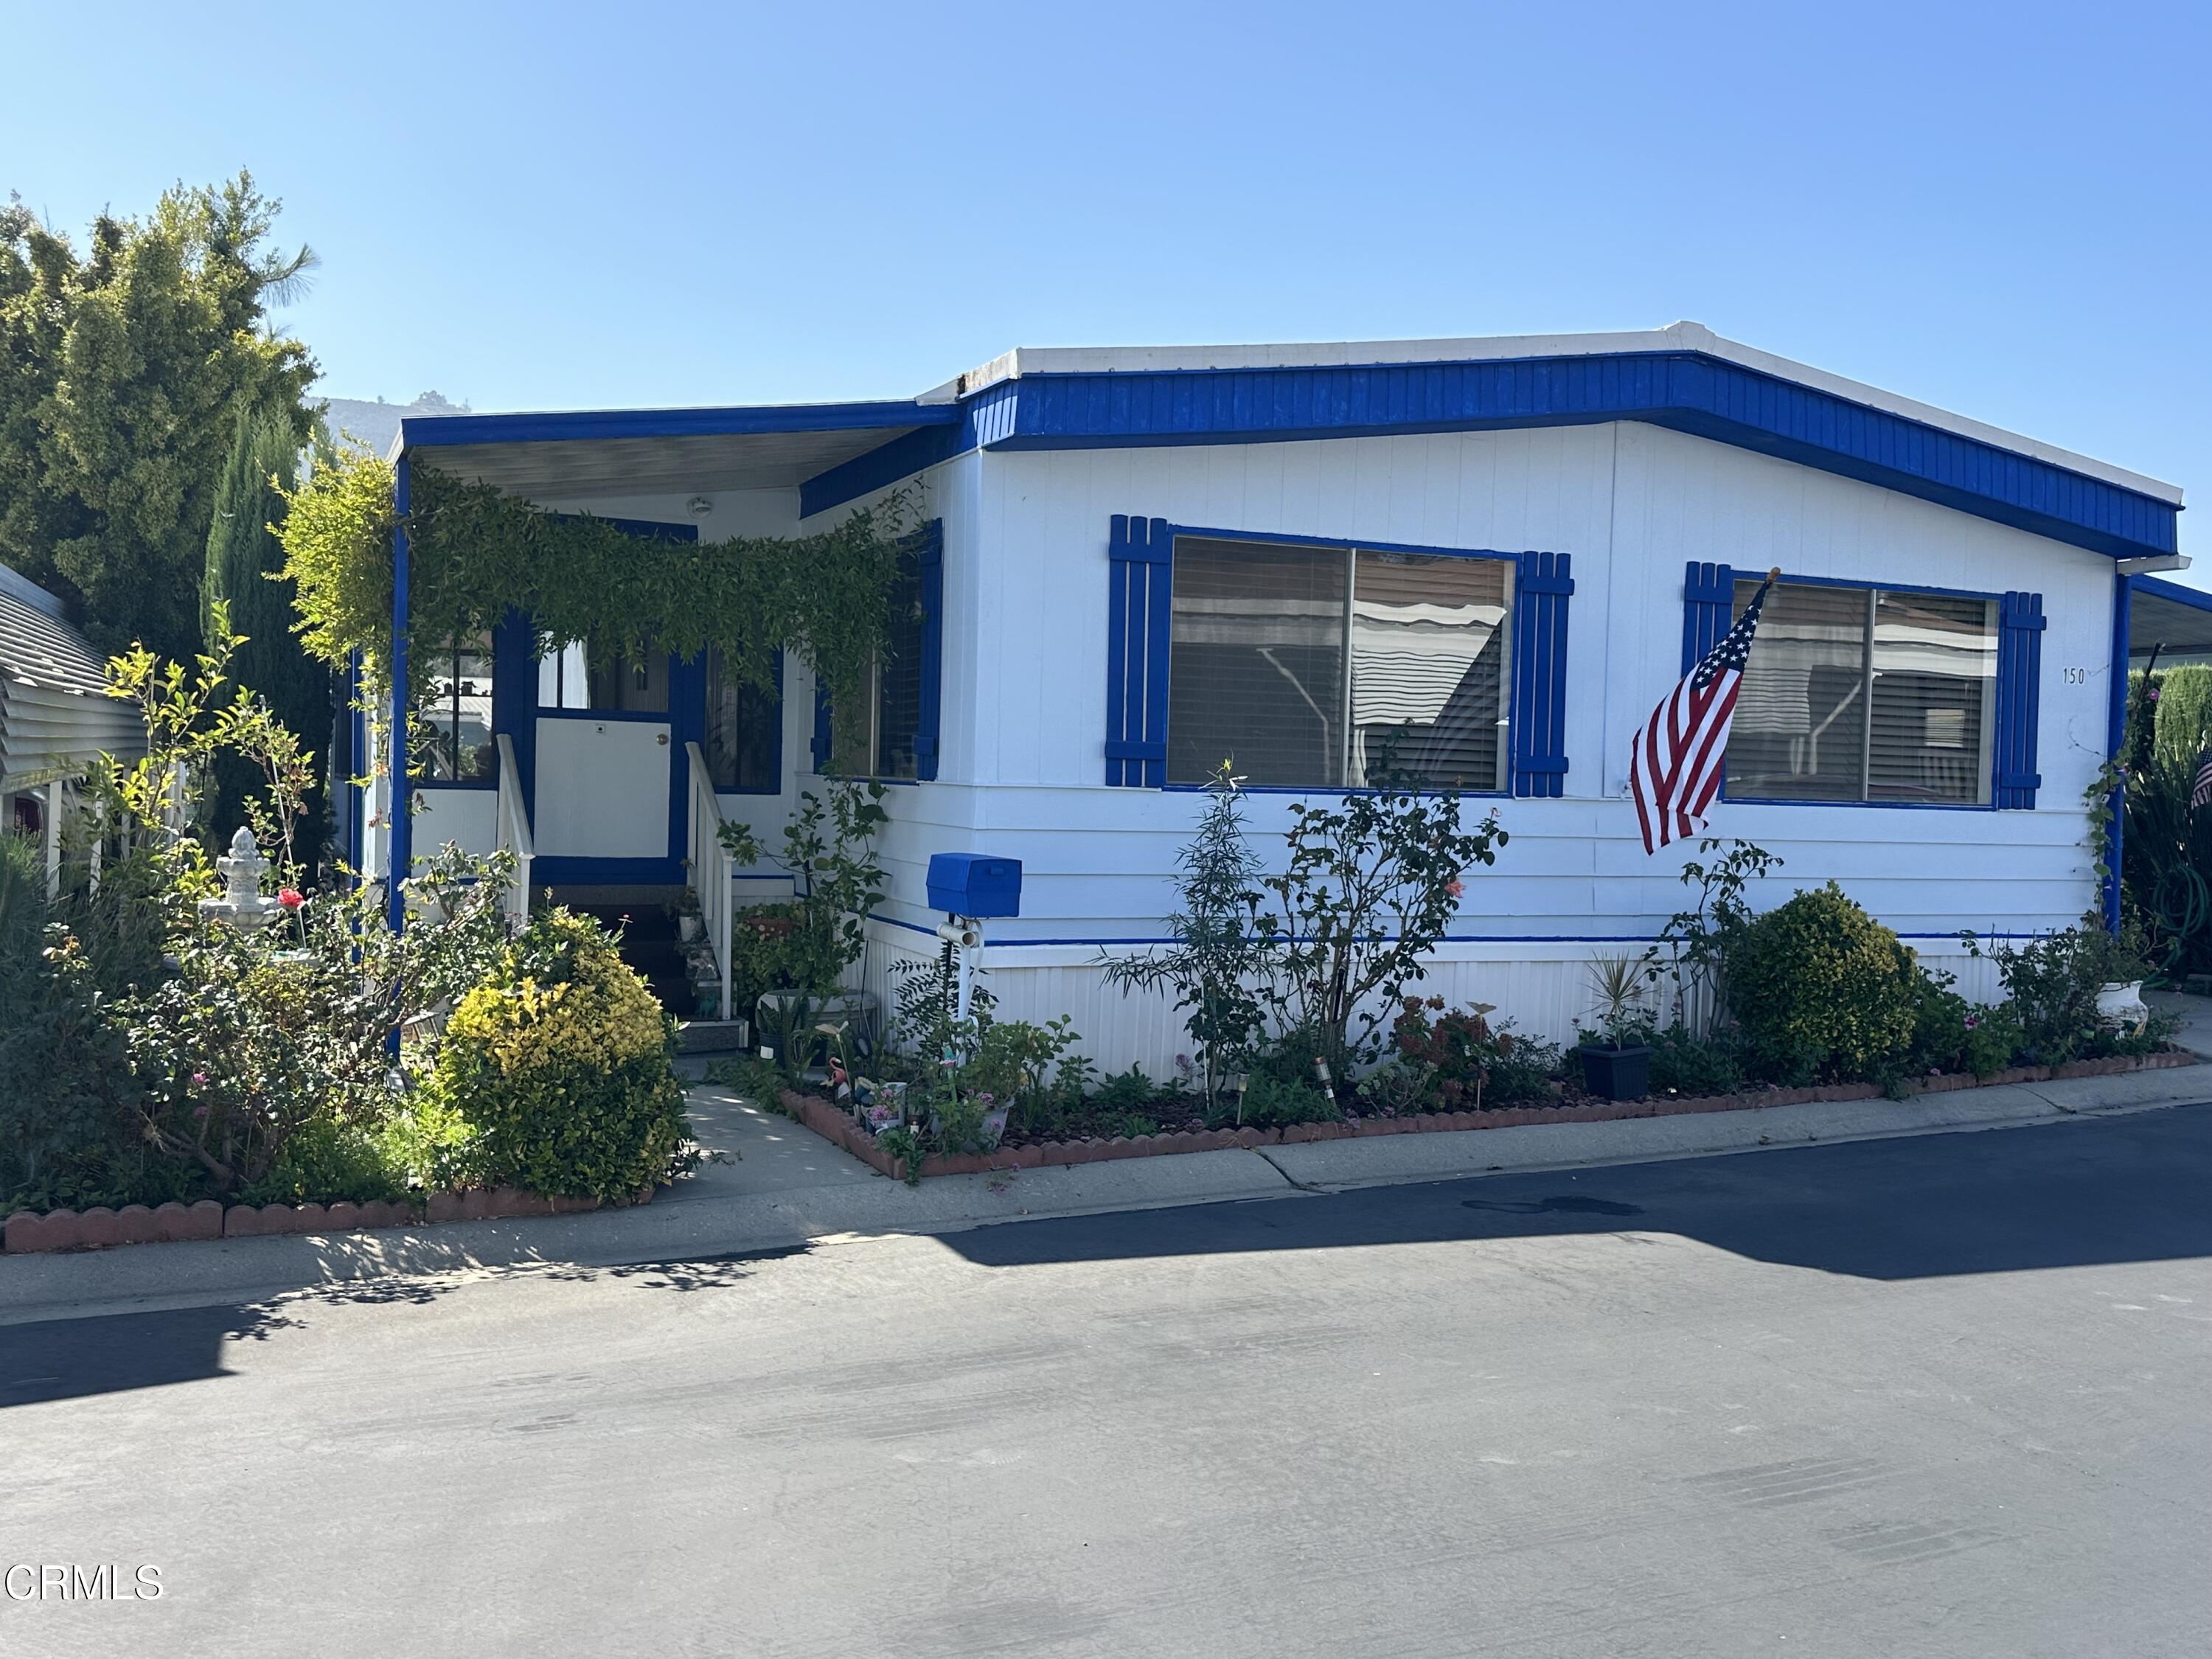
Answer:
(711, 867)
(514, 832)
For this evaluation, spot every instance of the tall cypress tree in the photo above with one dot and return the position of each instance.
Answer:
(243, 557)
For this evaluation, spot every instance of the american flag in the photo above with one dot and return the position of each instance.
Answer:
(2203, 792)
(1675, 771)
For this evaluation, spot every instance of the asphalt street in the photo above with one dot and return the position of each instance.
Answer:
(1942, 1395)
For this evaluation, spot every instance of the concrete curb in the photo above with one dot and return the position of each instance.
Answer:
(91, 1282)
(28, 1232)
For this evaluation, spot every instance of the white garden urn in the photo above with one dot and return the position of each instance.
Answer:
(2120, 1003)
(242, 904)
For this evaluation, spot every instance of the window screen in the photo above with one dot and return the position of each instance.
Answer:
(457, 709)
(745, 727)
(898, 678)
(1857, 694)
(879, 741)
(1328, 667)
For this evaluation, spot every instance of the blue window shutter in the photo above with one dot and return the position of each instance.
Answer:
(930, 721)
(1708, 609)
(2020, 679)
(1540, 593)
(821, 745)
(1139, 562)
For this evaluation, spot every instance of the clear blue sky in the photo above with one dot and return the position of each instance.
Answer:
(1999, 209)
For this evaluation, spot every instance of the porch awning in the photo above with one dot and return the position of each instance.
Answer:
(642, 452)
(2170, 615)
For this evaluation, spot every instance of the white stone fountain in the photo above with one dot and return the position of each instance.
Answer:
(242, 903)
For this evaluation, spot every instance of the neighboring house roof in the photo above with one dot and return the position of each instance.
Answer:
(1684, 377)
(55, 714)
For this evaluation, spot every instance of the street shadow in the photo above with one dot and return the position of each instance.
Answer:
(692, 1273)
(2073, 1194)
(61, 1358)
(65, 1358)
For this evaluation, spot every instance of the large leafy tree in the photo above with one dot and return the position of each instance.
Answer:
(123, 372)
(244, 575)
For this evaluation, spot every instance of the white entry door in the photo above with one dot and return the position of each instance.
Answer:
(602, 788)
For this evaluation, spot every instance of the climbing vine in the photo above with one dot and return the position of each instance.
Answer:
(474, 551)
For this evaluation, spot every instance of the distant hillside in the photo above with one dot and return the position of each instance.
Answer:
(377, 423)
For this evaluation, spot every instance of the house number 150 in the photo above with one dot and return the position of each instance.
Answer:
(2076, 676)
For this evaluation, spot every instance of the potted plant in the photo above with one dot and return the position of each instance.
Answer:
(689, 921)
(1614, 1068)
(2119, 993)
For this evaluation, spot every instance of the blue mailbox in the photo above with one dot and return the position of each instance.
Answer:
(975, 885)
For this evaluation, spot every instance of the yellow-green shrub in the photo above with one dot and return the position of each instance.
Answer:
(560, 1064)
(1819, 978)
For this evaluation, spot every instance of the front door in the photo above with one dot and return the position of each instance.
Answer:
(608, 774)
(602, 787)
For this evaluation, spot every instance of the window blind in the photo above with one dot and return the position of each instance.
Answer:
(1256, 670)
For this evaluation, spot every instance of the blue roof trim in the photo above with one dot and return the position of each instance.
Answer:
(444, 431)
(986, 418)
(1686, 390)
(2195, 598)
(882, 466)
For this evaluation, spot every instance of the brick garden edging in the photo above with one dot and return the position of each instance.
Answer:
(27, 1231)
(833, 1123)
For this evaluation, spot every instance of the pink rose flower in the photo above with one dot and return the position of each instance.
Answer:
(290, 898)
(1454, 888)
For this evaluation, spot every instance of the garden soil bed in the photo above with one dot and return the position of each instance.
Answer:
(27, 1231)
(832, 1122)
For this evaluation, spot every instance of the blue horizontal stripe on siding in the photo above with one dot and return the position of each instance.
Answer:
(1448, 938)
(1684, 391)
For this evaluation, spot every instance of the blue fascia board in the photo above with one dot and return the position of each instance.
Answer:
(446, 431)
(1687, 391)
(986, 418)
(883, 467)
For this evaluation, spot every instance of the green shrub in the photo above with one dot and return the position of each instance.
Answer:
(560, 1063)
(325, 1162)
(1819, 980)
(1684, 1064)
(1462, 1060)
(1950, 1033)
(1275, 1103)
(781, 947)
(2053, 982)
(63, 1071)
(1125, 1092)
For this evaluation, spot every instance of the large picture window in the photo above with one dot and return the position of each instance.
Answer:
(457, 709)
(1331, 667)
(1860, 694)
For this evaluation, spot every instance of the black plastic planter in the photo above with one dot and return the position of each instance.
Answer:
(1617, 1074)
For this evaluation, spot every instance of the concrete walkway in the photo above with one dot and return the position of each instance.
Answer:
(778, 1185)
(2195, 1014)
